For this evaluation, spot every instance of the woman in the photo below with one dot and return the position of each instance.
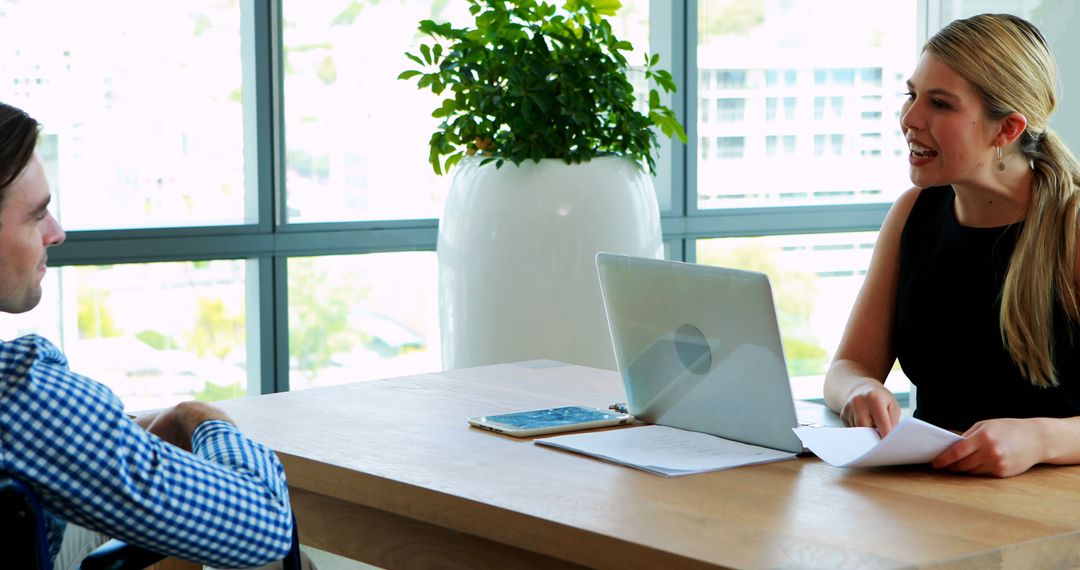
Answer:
(973, 282)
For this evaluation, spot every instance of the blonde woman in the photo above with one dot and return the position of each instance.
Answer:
(973, 281)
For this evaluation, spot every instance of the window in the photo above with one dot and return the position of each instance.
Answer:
(772, 77)
(154, 333)
(871, 76)
(840, 64)
(731, 78)
(730, 110)
(168, 77)
(790, 105)
(730, 147)
(362, 317)
(201, 220)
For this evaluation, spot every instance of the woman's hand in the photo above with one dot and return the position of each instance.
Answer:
(998, 448)
(871, 404)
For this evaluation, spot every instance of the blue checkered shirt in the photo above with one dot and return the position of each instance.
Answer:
(225, 504)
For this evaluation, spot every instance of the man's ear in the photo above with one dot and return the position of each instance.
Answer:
(1012, 126)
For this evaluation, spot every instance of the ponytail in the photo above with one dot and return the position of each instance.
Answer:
(1042, 271)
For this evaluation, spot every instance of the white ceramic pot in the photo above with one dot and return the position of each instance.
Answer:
(516, 248)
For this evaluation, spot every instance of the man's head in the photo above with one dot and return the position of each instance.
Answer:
(26, 226)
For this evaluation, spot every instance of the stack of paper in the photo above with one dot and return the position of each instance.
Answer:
(666, 450)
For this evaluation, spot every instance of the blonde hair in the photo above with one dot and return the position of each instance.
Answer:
(1009, 63)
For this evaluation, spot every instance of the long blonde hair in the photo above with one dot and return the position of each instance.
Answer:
(1009, 63)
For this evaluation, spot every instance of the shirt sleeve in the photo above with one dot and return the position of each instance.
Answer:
(226, 504)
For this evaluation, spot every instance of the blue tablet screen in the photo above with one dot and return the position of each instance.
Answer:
(552, 417)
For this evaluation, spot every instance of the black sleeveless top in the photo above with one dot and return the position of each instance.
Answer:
(947, 337)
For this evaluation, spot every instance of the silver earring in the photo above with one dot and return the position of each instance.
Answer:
(1001, 163)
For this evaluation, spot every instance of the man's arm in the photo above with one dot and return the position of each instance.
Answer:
(225, 504)
(176, 424)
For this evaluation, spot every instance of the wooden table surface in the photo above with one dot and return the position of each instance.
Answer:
(388, 472)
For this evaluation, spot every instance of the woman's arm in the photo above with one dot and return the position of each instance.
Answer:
(1007, 447)
(855, 382)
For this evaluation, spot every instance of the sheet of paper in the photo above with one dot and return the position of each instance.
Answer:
(666, 451)
(911, 441)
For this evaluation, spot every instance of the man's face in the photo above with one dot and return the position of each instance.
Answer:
(26, 230)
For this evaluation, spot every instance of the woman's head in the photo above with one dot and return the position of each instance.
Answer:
(1009, 64)
(18, 138)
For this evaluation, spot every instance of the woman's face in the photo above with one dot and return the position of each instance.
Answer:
(950, 141)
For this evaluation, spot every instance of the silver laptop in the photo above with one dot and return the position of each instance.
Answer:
(699, 348)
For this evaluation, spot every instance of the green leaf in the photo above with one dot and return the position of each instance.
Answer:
(409, 74)
(605, 7)
(428, 27)
(655, 59)
(452, 160)
(414, 58)
(680, 133)
(425, 50)
(447, 108)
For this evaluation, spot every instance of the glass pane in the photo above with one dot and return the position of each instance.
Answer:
(815, 279)
(797, 106)
(141, 107)
(362, 317)
(356, 136)
(156, 333)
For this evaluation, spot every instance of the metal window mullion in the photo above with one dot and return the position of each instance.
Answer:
(269, 141)
(261, 332)
(690, 104)
(277, 337)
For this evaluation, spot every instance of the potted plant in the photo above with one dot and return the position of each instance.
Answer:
(555, 164)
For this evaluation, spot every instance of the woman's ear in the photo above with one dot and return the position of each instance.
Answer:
(1012, 126)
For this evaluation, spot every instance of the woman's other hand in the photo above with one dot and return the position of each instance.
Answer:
(871, 404)
(998, 448)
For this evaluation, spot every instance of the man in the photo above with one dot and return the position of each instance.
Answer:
(183, 482)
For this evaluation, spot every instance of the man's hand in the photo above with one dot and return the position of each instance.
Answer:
(999, 448)
(176, 424)
(871, 404)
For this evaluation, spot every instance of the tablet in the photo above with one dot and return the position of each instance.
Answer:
(550, 420)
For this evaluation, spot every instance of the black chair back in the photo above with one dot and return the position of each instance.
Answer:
(24, 520)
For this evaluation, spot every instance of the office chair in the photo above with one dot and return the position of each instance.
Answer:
(21, 513)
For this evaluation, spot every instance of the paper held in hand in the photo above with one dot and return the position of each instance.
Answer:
(911, 441)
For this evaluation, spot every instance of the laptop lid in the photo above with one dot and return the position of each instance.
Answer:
(698, 348)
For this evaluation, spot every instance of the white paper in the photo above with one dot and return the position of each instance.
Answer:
(666, 450)
(911, 441)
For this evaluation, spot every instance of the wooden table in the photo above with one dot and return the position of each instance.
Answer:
(388, 472)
